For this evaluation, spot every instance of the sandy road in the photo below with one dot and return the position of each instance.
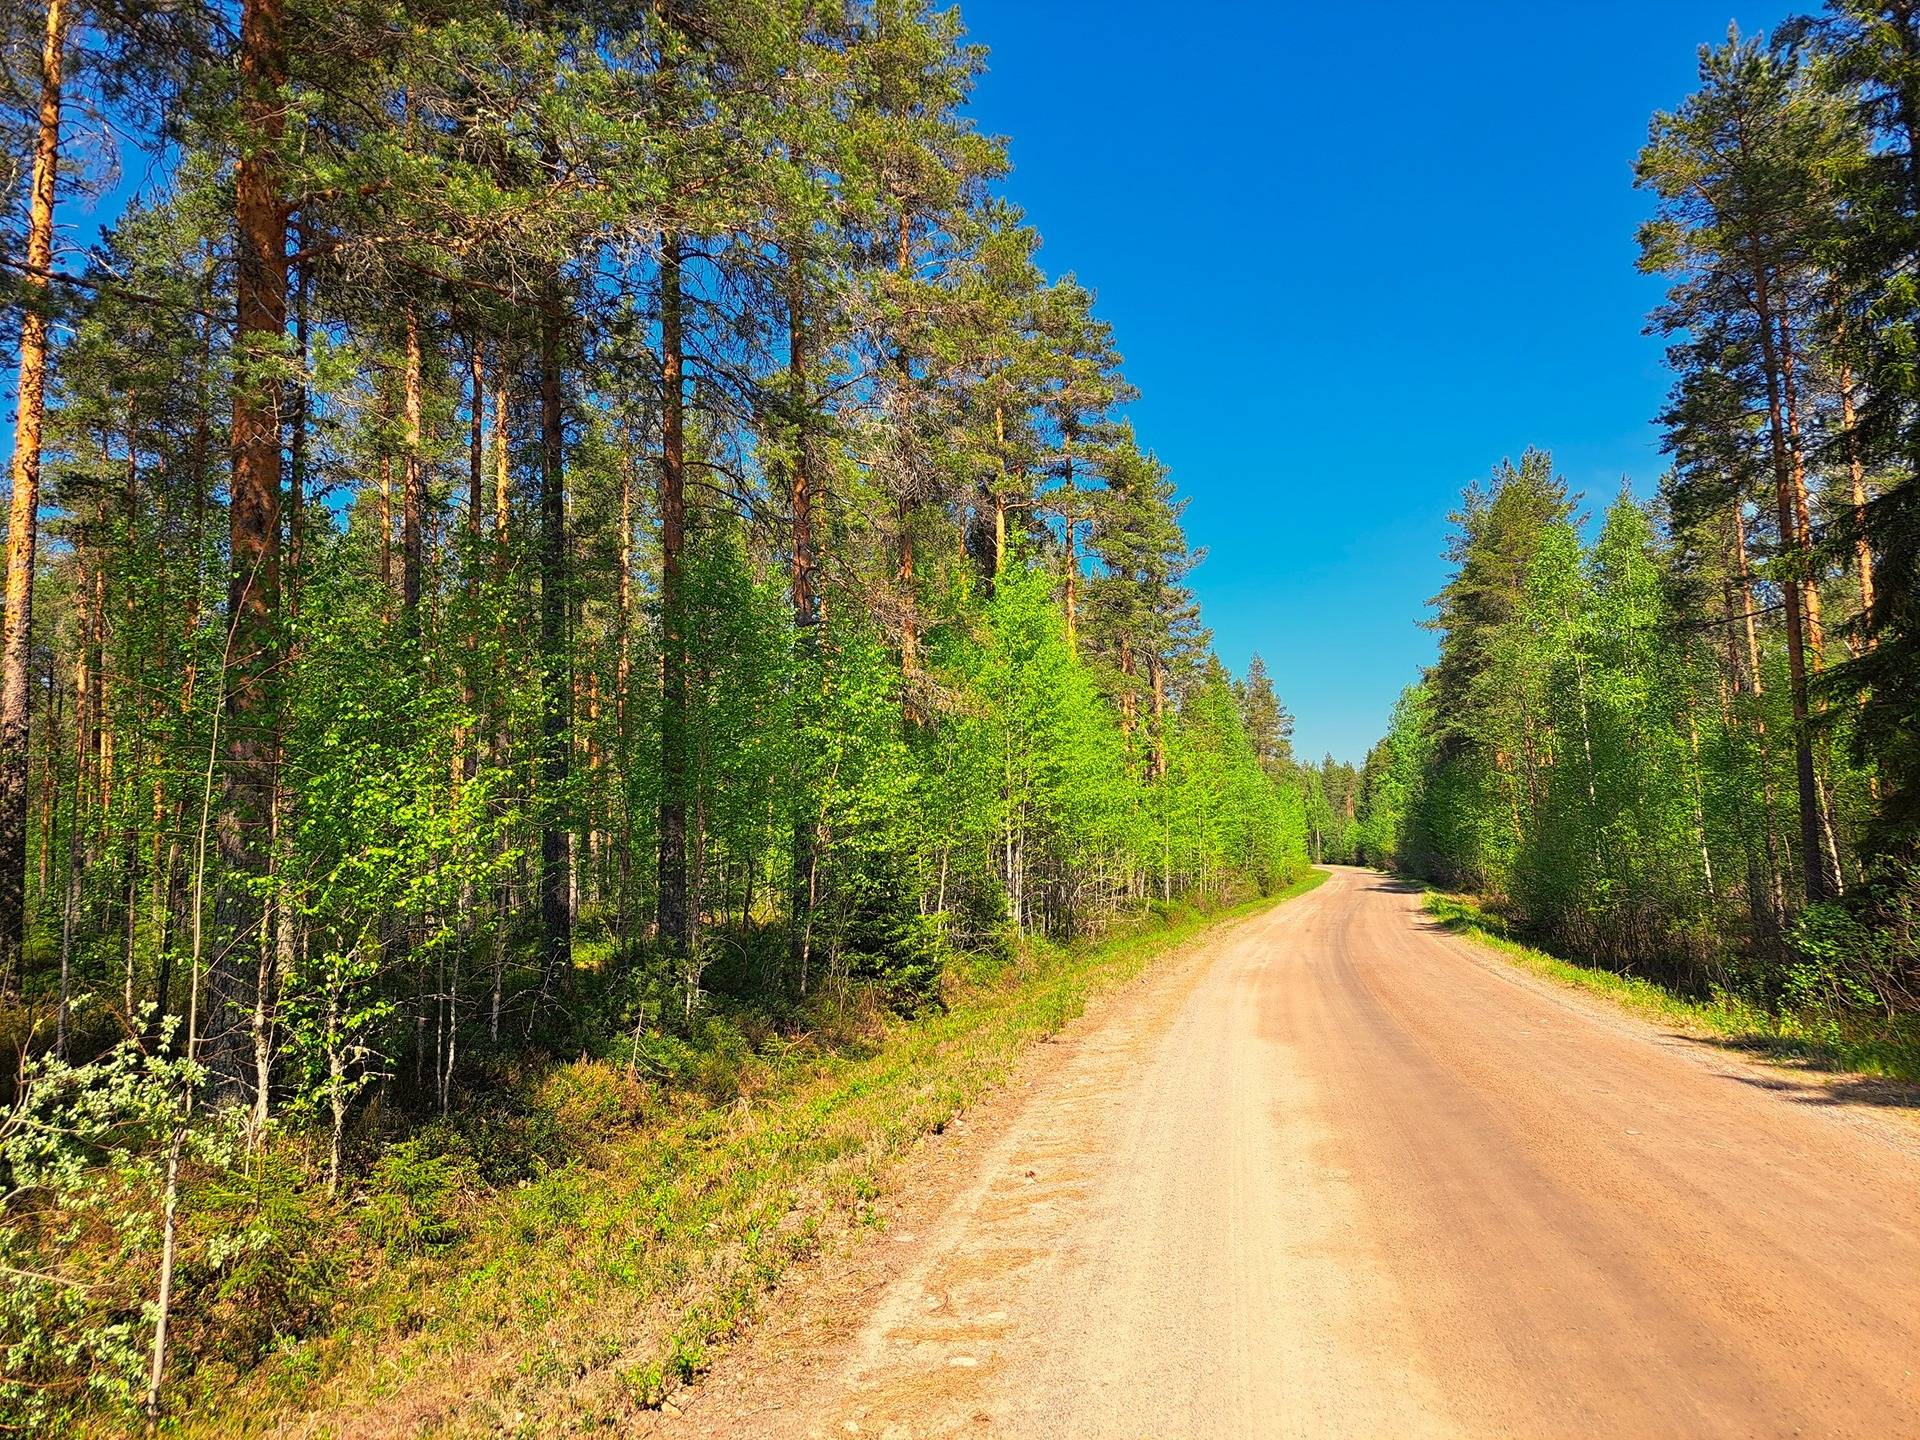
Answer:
(1340, 1174)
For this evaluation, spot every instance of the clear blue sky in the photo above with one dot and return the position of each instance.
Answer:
(1351, 263)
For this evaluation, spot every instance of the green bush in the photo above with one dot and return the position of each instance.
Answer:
(587, 1100)
(886, 942)
(275, 1248)
(410, 1203)
(1862, 953)
(712, 1059)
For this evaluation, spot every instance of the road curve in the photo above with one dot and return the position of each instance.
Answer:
(1346, 1175)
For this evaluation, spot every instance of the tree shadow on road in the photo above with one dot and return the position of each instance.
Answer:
(1389, 884)
(1836, 1085)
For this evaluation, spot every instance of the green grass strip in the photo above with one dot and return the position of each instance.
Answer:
(1851, 1043)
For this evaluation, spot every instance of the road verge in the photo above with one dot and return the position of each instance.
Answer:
(591, 1293)
(1855, 1043)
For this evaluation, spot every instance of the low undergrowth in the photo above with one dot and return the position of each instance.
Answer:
(1859, 1040)
(584, 1292)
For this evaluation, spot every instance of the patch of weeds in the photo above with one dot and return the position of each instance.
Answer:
(644, 1385)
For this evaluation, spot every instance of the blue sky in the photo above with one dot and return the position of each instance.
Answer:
(1351, 264)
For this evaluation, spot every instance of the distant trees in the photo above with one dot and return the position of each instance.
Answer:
(557, 522)
(1594, 750)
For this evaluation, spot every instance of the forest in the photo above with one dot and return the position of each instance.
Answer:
(1681, 741)
(551, 548)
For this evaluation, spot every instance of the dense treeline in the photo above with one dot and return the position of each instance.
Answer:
(1330, 792)
(1689, 747)
(548, 528)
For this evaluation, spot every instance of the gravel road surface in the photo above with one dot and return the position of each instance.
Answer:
(1335, 1172)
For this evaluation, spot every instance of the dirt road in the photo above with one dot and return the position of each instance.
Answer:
(1340, 1174)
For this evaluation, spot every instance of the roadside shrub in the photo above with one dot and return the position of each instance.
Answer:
(711, 1060)
(978, 921)
(410, 1203)
(1836, 964)
(83, 1165)
(885, 941)
(273, 1254)
(725, 1058)
(1862, 953)
(587, 1100)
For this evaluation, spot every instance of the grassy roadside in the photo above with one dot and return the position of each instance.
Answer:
(598, 1288)
(1855, 1044)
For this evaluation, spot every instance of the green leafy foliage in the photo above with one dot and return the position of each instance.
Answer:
(1589, 773)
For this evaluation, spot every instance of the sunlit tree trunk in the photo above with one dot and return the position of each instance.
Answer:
(622, 688)
(1856, 475)
(1775, 897)
(300, 403)
(23, 521)
(1808, 557)
(466, 759)
(253, 595)
(102, 756)
(806, 614)
(1802, 538)
(1812, 860)
(386, 535)
(903, 509)
(198, 473)
(1000, 491)
(501, 741)
(413, 493)
(1071, 590)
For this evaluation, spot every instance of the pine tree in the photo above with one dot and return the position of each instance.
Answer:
(24, 513)
(1743, 172)
(1871, 55)
(1267, 722)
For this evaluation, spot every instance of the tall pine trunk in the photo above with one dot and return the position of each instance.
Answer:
(675, 919)
(253, 593)
(903, 512)
(622, 686)
(1808, 557)
(23, 523)
(1775, 898)
(501, 740)
(1812, 861)
(1802, 511)
(413, 495)
(1000, 492)
(466, 762)
(1857, 476)
(556, 685)
(1071, 523)
(806, 617)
